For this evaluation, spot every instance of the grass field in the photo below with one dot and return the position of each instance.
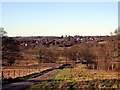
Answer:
(79, 77)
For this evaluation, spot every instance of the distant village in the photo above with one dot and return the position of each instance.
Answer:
(66, 41)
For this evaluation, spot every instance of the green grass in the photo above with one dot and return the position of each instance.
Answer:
(61, 75)
(68, 79)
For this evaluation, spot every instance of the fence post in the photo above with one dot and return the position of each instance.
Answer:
(14, 73)
(23, 73)
(32, 71)
(8, 76)
(28, 71)
(19, 72)
(3, 75)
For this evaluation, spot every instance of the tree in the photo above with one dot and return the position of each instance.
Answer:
(41, 53)
(117, 31)
(73, 53)
(86, 54)
(2, 32)
(66, 54)
(49, 56)
(10, 50)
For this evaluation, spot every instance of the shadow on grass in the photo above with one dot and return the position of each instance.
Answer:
(106, 84)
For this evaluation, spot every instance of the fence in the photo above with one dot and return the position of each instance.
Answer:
(17, 72)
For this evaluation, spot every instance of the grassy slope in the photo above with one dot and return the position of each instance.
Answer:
(79, 77)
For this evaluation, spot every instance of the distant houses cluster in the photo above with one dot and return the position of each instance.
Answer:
(59, 41)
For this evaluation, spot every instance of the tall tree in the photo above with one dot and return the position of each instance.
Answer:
(86, 54)
(50, 56)
(40, 54)
(10, 50)
(117, 31)
(2, 32)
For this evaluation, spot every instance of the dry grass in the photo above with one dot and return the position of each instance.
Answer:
(80, 78)
(80, 73)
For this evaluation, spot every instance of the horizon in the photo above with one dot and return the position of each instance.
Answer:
(60, 18)
(65, 36)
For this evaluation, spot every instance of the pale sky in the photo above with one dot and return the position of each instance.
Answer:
(59, 18)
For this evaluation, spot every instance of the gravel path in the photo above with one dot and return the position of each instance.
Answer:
(25, 84)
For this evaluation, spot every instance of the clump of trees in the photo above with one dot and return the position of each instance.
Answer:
(46, 55)
(94, 55)
(79, 53)
(10, 49)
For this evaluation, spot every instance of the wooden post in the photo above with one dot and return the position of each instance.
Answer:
(8, 74)
(14, 73)
(23, 73)
(29, 71)
(19, 72)
(3, 75)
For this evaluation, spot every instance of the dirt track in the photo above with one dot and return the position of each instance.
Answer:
(25, 84)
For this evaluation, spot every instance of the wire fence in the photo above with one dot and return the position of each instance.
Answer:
(21, 71)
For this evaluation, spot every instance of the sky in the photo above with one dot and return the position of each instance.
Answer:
(59, 18)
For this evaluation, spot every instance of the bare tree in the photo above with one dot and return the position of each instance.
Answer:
(86, 55)
(50, 57)
(117, 31)
(2, 32)
(41, 53)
